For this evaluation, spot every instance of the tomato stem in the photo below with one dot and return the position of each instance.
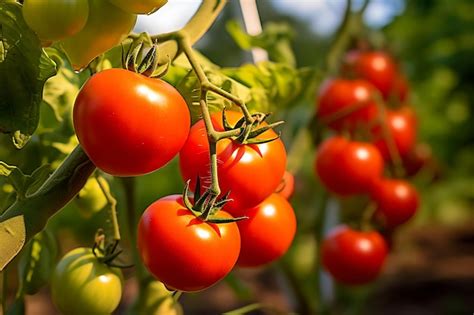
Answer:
(112, 207)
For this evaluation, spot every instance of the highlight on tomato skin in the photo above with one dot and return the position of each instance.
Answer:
(353, 257)
(267, 233)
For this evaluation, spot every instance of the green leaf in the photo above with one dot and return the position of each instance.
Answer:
(24, 68)
(37, 262)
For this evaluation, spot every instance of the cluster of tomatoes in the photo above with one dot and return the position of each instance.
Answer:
(129, 125)
(367, 102)
(80, 26)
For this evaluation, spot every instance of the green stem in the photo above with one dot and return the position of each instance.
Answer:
(112, 205)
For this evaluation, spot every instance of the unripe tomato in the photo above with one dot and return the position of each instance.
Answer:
(251, 172)
(129, 124)
(53, 20)
(397, 201)
(139, 6)
(90, 198)
(348, 167)
(377, 67)
(351, 100)
(181, 250)
(267, 233)
(353, 257)
(155, 299)
(401, 126)
(287, 186)
(106, 27)
(81, 284)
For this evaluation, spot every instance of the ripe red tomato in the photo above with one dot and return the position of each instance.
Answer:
(377, 67)
(251, 172)
(339, 95)
(268, 232)
(353, 257)
(287, 186)
(417, 158)
(348, 167)
(397, 201)
(181, 250)
(402, 127)
(129, 124)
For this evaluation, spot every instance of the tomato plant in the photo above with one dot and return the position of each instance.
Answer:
(348, 167)
(346, 104)
(129, 124)
(397, 201)
(81, 284)
(353, 257)
(99, 34)
(250, 172)
(181, 250)
(65, 18)
(267, 233)
(139, 6)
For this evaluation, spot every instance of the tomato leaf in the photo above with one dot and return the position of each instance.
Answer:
(24, 68)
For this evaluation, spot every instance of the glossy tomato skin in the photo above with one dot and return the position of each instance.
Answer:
(182, 251)
(139, 6)
(55, 19)
(129, 124)
(83, 285)
(287, 186)
(348, 167)
(250, 172)
(107, 25)
(338, 95)
(402, 128)
(268, 232)
(397, 201)
(377, 67)
(353, 257)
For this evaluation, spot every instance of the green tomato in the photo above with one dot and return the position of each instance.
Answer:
(106, 27)
(139, 6)
(81, 284)
(55, 19)
(91, 199)
(155, 299)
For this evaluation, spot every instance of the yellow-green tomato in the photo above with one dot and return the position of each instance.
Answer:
(55, 19)
(106, 27)
(155, 299)
(82, 284)
(139, 6)
(90, 198)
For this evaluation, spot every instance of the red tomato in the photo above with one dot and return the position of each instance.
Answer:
(417, 158)
(182, 251)
(268, 232)
(129, 124)
(402, 127)
(397, 201)
(339, 95)
(353, 257)
(401, 89)
(348, 167)
(374, 66)
(287, 186)
(251, 172)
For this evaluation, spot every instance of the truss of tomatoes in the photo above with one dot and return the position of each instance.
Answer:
(355, 104)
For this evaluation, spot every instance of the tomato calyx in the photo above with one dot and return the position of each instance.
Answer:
(108, 254)
(141, 57)
(251, 130)
(206, 206)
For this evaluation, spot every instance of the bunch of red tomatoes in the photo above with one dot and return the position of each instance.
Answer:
(374, 133)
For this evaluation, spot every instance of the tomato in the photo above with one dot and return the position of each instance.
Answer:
(338, 96)
(155, 299)
(353, 257)
(420, 156)
(129, 124)
(397, 201)
(251, 172)
(139, 6)
(181, 250)
(402, 127)
(106, 27)
(90, 198)
(348, 167)
(377, 67)
(287, 185)
(268, 232)
(401, 89)
(55, 19)
(81, 284)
